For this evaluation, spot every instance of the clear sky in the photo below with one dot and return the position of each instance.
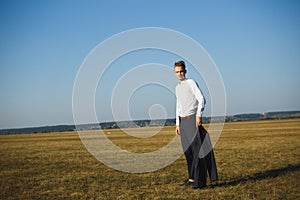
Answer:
(255, 45)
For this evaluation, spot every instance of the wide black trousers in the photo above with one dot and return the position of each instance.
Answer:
(208, 152)
(198, 152)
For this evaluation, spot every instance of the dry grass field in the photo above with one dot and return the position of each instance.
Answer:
(256, 160)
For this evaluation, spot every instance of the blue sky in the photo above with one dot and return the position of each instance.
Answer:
(255, 45)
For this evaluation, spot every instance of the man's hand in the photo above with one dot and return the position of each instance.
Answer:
(177, 130)
(198, 121)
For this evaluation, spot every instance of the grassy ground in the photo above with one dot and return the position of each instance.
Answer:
(256, 160)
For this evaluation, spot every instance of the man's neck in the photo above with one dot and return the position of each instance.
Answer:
(180, 81)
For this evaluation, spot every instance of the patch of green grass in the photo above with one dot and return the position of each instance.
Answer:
(256, 160)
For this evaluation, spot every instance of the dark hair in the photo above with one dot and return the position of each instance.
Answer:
(180, 64)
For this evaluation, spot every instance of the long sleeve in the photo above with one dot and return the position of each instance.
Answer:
(177, 112)
(199, 96)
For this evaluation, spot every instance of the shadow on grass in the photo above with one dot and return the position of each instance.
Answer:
(259, 176)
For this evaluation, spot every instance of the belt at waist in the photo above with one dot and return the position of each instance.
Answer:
(187, 117)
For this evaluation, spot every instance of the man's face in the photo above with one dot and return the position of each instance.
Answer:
(179, 73)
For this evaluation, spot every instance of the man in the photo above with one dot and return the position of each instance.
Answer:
(189, 106)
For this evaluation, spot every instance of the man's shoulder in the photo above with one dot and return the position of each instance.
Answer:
(190, 81)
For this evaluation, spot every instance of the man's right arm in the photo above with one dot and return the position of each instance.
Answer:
(177, 130)
(177, 117)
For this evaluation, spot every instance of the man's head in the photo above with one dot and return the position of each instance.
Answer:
(179, 70)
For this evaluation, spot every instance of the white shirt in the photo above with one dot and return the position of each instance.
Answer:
(189, 99)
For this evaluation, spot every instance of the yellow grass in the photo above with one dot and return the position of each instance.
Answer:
(256, 160)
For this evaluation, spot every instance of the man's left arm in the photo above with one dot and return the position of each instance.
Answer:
(201, 102)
